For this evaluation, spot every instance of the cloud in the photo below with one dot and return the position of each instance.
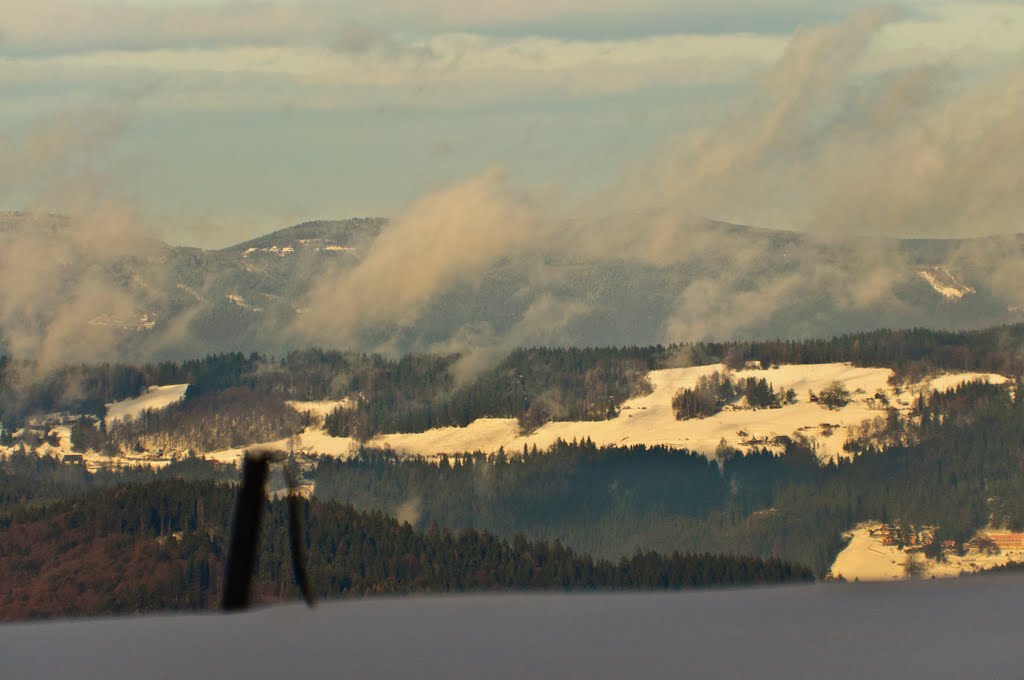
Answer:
(62, 301)
(618, 21)
(822, 144)
(479, 346)
(242, 56)
(64, 26)
(850, 160)
(441, 240)
(410, 511)
(745, 158)
(824, 147)
(363, 41)
(840, 157)
(365, 68)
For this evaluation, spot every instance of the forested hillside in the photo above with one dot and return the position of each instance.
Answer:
(419, 392)
(138, 548)
(180, 302)
(138, 540)
(955, 463)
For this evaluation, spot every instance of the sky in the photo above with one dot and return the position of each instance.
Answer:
(211, 121)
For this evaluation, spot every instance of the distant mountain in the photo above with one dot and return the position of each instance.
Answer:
(736, 283)
(320, 235)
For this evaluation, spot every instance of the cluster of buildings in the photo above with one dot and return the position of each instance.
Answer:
(1006, 541)
(891, 535)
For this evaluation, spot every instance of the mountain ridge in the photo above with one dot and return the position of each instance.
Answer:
(735, 282)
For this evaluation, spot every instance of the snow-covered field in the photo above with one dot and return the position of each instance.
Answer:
(650, 420)
(320, 409)
(866, 558)
(92, 460)
(154, 399)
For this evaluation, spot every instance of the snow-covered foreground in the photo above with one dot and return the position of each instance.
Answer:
(155, 398)
(867, 558)
(942, 629)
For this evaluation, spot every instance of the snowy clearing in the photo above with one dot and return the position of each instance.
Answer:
(320, 409)
(946, 284)
(241, 302)
(155, 398)
(866, 558)
(310, 442)
(650, 420)
(280, 251)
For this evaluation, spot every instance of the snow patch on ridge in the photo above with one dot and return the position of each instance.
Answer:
(945, 283)
(241, 302)
(280, 251)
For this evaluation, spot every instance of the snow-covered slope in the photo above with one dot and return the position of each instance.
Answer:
(649, 420)
(946, 283)
(320, 409)
(155, 398)
(867, 558)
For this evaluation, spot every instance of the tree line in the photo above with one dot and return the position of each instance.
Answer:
(161, 545)
(534, 385)
(716, 391)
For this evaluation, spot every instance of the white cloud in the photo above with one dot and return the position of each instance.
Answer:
(413, 60)
(48, 26)
(461, 69)
(259, 56)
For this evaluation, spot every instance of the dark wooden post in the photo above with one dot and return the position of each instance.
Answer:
(245, 536)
